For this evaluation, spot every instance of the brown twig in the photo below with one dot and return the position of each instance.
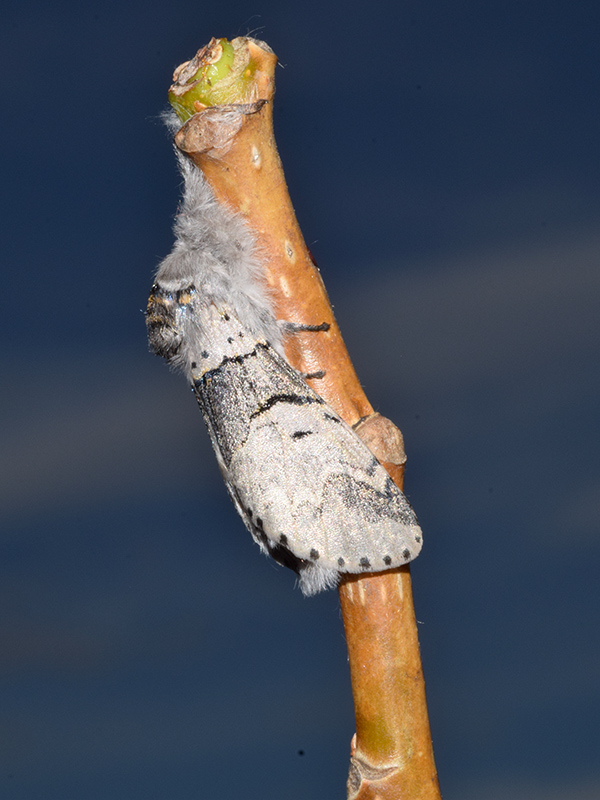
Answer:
(234, 146)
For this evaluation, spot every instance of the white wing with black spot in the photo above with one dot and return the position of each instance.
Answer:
(309, 490)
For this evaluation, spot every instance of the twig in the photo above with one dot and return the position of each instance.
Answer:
(227, 91)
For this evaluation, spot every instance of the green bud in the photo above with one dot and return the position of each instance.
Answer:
(217, 75)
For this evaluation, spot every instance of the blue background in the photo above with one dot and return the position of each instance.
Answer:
(443, 161)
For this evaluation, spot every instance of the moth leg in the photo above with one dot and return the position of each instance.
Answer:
(299, 327)
(309, 375)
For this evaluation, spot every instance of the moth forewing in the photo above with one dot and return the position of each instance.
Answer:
(310, 491)
(320, 493)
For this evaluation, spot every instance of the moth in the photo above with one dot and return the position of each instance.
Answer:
(308, 489)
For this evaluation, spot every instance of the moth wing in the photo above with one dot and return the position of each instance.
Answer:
(314, 492)
(309, 490)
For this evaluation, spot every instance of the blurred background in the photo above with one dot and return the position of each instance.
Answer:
(443, 161)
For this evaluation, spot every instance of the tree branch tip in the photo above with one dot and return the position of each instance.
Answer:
(222, 72)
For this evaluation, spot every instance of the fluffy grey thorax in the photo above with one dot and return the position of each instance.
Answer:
(215, 256)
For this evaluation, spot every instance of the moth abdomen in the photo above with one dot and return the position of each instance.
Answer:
(312, 576)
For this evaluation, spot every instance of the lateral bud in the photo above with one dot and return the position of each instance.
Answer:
(382, 438)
